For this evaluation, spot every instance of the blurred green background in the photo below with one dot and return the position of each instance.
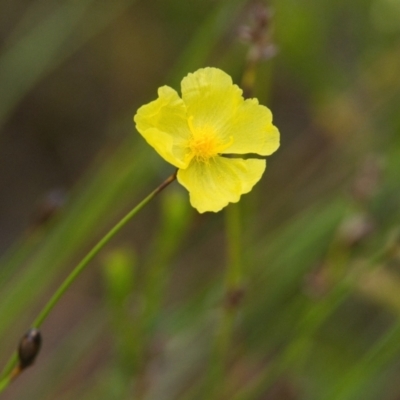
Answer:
(320, 233)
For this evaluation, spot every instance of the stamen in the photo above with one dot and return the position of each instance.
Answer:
(205, 143)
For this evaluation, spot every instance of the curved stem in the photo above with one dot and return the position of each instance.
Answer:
(78, 270)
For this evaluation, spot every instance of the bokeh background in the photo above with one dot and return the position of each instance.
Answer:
(319, 318)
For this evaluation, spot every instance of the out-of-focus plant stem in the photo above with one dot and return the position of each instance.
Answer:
(233, 292)
(174, 222)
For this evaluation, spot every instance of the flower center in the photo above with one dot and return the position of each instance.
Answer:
(204, 143)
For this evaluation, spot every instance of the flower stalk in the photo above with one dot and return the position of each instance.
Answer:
(8, 375)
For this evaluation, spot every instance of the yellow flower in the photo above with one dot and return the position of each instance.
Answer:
(200, 132)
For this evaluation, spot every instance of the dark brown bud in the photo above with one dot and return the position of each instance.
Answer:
(29, 348)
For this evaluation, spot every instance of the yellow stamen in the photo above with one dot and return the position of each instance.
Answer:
(204, 143)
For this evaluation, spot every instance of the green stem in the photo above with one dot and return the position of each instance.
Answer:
(233, 278)
(95, 250)
(78, 270)
(4, 383)
(233, 285)
(233, 292)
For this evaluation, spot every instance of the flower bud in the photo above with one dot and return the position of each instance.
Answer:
(29, 347)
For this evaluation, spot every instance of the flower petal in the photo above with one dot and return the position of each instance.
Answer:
(252, 130)
(163, 124)
(221, 181)
(211, 99)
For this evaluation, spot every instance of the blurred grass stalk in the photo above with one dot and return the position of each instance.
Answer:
(233, 292)
(175, 221)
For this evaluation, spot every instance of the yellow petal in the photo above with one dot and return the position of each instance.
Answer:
(221, 181)
(163, 123)
(211, 99)
(252, 130)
